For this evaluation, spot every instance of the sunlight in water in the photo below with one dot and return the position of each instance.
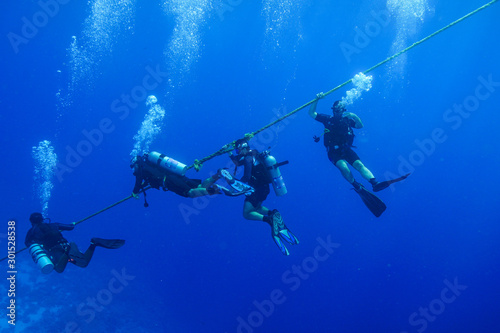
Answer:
(183, 49)
(150, 128)
(45, 167)
(361, 83)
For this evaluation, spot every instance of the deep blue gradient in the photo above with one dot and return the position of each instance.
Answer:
(197, 265)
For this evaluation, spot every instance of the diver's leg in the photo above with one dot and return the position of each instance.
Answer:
(89, 253)
(197, 192)
(364, 171)
(259, 213)
(60, 260)
(78, 258)
(253, 209)
(344, 170)
(210, 181)
(263, 210)
(196, 188)
(250, 212)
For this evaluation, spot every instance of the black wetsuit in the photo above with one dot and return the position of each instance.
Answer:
(339, 138)
(57, 247)
(148, 174)
(254, 175)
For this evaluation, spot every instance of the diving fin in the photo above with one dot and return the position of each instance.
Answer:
(280, 244)
(226, 175)
(288, 236)
(223, 190)
(371, 201)
(238, 187)
(242, 188)
(232, 193)
(379, 186)
(108, 243)
(281, 233)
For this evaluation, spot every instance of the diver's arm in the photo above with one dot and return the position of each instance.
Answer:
(248, 163)
(138, 173)
(137, 185)
(30, 239)
(357, 121)
(312, 109)
(234, 158)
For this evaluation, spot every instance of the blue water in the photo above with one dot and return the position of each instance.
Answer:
(222, 69)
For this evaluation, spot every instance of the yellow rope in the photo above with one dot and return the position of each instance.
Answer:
(198, 163)
(104, 209)
(225, 149)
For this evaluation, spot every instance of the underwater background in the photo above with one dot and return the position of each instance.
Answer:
(76, 76)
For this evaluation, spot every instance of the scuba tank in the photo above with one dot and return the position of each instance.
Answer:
(274, 173)
(166, 163)
(41, 258)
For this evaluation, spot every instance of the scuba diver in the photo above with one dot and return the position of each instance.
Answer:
(261, 169)
(157, 170)
(51, 251)
(338, 139)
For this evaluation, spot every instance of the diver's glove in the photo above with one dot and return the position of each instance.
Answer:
(316, 138)
(135, 195)
(228, 148)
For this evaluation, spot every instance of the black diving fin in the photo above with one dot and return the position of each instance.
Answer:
(371, 201)
(379, 186)
(108, 243)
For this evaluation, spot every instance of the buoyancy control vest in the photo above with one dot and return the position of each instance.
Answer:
(340, 133)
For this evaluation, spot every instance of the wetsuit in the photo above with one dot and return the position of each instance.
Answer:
(57, 247)
(148, 174)
(254, 175)
(339, 138)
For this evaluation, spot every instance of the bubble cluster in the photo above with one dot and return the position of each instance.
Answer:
(150, 127)
(283, 26)
(81, 63)
(408, 15)
(109, 21)
(151, 100)
(361, 83)
(45, 167)
(183, 49)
